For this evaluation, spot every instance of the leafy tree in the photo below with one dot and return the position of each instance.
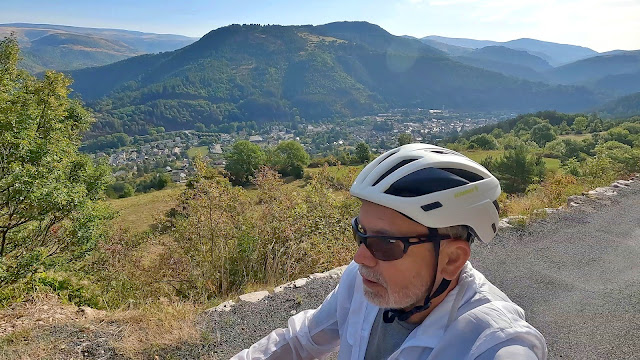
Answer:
(516, 169)
(525, 125)
(541, 134)
(363, 152)
(127, 191)
(554, 149)
(484, 142)
(244, 159)
(626, 159)
(43, 177)
(620, 135)
(404, 139)
(632, 128)
(290, 158)
(497, 133)
(573, 149)
(580, 124)
(563, 128)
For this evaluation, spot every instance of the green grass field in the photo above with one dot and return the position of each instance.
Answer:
(140, 211)
(479, 155)
(202, 150)
(577, 137)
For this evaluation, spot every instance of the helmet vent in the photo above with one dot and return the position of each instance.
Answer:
(465, 174)
(431, 206)
(386, 157)
(394, 168)
(425, 181)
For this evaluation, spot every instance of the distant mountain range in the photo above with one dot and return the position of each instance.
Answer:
(66, 47)
(241, 74)
(614, 73)
(261, 74)
(555, 54)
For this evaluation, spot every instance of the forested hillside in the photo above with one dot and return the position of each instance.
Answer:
(261, 74)
(625, 106)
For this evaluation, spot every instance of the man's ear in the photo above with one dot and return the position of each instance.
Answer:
(455, 254)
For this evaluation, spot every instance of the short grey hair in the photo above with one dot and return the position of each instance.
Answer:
(457, 232)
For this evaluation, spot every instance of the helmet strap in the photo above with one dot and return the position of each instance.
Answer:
(390, 315)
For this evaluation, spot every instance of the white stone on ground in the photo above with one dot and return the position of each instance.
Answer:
(254, 296)
(225, 306)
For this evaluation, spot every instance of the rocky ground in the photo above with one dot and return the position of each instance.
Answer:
(576, 273)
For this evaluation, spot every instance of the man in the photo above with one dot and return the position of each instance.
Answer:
(410, 292)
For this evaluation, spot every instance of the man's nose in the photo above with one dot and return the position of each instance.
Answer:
(364, 257)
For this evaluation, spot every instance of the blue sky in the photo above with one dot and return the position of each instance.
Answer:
(599, 24)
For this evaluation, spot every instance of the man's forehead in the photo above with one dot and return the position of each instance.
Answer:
(386, 221)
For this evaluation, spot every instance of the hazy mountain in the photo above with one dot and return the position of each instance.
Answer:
(509, 69)
(622, 107)
(453, 50)
(554, 53)
(255, 73)
(462, 42)
(594, 68)
(558, 53)
(66, 47)
(620, 84)
(510, 56)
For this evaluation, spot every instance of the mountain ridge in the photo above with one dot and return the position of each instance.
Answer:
(555, 53)
(79, 47)
(241, 73)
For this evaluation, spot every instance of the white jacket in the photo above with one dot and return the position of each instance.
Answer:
(474, 321)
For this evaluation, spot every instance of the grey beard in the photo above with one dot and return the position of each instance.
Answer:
(400, 299)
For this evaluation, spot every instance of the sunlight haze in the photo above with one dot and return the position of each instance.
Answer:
(599, 25)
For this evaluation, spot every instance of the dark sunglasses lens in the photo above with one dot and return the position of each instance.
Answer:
(384, 249)
(381, 248)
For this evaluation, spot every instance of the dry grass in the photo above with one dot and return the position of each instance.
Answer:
(157, 325)
(40, 309)
(23, 325)
(552, 193)
(139, 212)
(132, 333)
(25, 345)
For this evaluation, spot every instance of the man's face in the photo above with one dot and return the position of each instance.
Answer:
(401, 283)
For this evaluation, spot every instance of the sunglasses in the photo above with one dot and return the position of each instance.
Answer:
(389, 248)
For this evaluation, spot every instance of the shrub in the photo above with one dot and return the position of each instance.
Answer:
(516, 169)
(228, 238)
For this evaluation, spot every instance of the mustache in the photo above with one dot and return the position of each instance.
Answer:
(370, 274)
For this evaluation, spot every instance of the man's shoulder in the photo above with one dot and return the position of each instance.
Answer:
(490, 318)
(486, 305)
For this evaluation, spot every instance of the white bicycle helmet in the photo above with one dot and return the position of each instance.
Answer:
(434, 186)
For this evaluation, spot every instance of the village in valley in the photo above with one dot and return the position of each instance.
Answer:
(174, 153)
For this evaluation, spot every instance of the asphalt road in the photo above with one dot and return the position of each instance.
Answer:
(576, 274)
